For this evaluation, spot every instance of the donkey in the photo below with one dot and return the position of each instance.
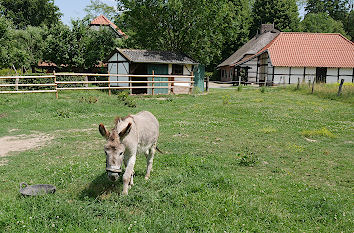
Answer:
(130, 135)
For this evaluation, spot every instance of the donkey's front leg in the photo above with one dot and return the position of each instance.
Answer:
(128, 174)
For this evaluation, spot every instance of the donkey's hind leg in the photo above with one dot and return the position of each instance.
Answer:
(149, 161)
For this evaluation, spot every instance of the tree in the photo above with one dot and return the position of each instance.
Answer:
(78, 47)
(283, 13)
(349, 25)
(321, 22)
(97, 7)
(197, 28)
(337, 9)
(30, 12)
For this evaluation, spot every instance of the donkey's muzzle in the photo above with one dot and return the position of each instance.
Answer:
(114, 169)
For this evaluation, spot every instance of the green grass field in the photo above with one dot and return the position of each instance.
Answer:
(234, 161)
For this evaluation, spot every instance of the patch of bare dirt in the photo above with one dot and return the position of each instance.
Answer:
(22, 142)
(2, 115)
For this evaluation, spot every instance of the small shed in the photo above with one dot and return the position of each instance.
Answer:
(145, 62)
(323, 57)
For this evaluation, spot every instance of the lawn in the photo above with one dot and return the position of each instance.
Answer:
(234, 161)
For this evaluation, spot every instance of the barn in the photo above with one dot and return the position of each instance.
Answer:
(147, 62)
(229, 71)
(294, 56)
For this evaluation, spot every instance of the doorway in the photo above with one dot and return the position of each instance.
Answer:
(321, 73)
(139, 69)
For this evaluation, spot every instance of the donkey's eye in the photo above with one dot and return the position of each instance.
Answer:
(120, 153)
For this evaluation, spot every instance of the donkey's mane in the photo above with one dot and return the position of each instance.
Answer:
(120, 119)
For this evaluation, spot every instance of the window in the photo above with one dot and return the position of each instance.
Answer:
(177, 69)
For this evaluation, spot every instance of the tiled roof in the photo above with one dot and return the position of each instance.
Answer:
(251, 47)
(102, 21)
(300, 49)
(148, 56)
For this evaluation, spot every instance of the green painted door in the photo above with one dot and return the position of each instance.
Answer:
(158, 69)
(199, 74)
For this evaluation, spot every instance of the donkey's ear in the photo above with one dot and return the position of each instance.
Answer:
(125, 131)
(103, 131)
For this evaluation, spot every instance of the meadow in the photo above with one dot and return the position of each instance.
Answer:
(275, 160)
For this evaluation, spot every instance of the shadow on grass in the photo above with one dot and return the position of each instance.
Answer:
(100, 187)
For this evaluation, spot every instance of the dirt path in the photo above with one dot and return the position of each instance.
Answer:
(22, 142)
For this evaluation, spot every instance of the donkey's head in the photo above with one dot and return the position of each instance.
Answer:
(114, 148)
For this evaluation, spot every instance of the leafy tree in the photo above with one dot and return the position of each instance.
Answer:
(321, 22)
(349, 25)
(97, 7)
(30, 12)
(337, 9)
(197, 28)
(78, 47)
(283, 13)
(21, 48)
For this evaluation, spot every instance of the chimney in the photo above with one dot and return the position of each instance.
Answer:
(266, 28)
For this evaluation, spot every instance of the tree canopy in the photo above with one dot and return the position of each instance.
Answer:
(25, 13)
(197, 28)
(283, 13)
(321, 22)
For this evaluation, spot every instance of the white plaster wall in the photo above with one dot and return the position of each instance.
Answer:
(118, 68)
(113, 58)
(281, 75)
(187, 70)
(296, 74)
(346, 74)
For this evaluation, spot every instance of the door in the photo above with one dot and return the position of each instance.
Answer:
(199, 74)
(158, 69)
(321, 73)
(139, 69)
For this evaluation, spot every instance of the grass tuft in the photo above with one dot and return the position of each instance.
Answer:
(324, 132)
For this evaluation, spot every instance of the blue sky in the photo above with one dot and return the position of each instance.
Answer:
(75, 8)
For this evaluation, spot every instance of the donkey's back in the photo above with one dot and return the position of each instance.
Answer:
(147, 128)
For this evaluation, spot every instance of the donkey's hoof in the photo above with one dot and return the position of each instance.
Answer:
(124, 193)
(146, 177)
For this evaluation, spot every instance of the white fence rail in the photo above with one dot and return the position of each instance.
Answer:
(53, 83)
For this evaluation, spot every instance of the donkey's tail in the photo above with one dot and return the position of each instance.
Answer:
(159, 150)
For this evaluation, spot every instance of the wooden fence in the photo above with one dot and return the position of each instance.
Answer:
(53, 83)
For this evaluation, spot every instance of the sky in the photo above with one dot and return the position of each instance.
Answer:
(74, 9)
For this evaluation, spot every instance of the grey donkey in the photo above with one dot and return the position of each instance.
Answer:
(131, 135)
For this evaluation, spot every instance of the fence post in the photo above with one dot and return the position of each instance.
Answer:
(169, 86)
(340, 87)
(191, 84)
(313, 86)
(17, 79)
(298, 84)
(56, 85)
(109, 87)
(153, 84)
(207, 84)
(86, 80)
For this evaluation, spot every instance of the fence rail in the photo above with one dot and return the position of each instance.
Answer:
(54, 84)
